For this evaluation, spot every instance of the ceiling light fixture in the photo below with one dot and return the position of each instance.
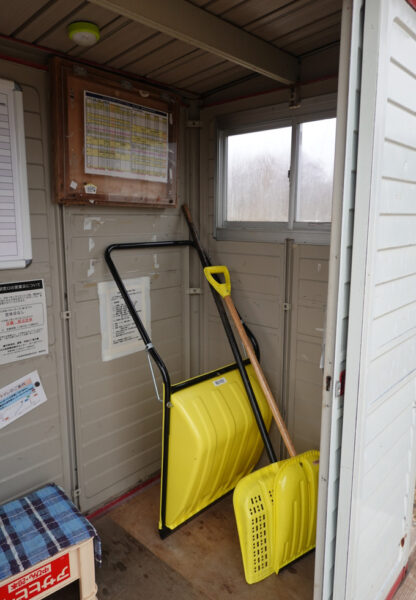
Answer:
(84, 33)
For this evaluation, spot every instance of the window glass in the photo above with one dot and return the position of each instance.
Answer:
(315, 174)
(258, 166)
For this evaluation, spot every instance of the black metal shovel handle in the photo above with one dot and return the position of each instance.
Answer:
(232, 341)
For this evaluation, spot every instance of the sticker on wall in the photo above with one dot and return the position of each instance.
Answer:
(119, 335)
(90, 188)
(23, 320)
(20, 397)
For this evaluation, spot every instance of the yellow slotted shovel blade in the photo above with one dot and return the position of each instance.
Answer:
(295, 508)
(271, 536)
(253, 508)
(275, 511)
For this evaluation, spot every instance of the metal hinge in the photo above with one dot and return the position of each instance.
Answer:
(193, 291)
(194, 124)
(76, 493)
(66, 314)
(287, 306)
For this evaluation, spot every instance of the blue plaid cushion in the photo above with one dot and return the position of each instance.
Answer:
(39, 525)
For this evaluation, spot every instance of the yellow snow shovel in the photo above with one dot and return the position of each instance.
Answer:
(275, 507)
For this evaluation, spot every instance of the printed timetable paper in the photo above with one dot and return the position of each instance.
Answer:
(23, 321)
(20, 397)
(15, 238)
(122, 139)
(119, 335)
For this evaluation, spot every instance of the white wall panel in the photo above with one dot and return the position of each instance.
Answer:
(308, 311)
(257, 290)
(118, 418)
(35, 449)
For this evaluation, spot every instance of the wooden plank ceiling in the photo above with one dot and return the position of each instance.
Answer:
(298, 27)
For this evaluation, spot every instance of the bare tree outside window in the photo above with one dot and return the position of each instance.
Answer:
(258, 184)
(316, 166)
(257, 175)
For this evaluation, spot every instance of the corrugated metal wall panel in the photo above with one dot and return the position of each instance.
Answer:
(217, 76)
(117, 416)
(249, 11)
(12, 19)
(378, 460)
(328, 34)
(291, 16)
(164, 55)
(184, 66)
(144, 51)
(35, 448)
(57, 37)
(144, 46)
(291, 42)
(46, 18)
(116, 38)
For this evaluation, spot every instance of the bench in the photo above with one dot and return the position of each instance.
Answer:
(46, 544)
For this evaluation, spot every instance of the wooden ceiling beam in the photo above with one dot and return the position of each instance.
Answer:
(185, 21)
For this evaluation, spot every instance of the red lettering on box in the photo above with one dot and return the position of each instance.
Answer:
(34, 582)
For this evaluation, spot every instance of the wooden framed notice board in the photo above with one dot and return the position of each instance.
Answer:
(114, 139)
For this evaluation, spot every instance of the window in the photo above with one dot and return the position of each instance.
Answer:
(315, 170)
(275, 180)
(258, 164)
(15, 236)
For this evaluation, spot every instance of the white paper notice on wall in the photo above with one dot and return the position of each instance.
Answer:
(15, 236)
(20, 397)
(23, 320)
(119, 335)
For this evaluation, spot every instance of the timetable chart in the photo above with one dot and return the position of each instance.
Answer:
(123, 139)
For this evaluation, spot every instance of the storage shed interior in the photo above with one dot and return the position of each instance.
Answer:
(238, 67)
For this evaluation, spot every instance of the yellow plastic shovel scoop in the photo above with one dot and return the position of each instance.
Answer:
(275, 507)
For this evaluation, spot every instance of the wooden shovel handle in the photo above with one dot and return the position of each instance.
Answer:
(260, 376)
(187, 213)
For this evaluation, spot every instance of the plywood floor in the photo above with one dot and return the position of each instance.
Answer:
(199, 561)
(205, 552)
(130, 571)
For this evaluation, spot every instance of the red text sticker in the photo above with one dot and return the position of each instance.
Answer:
(33, 583)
